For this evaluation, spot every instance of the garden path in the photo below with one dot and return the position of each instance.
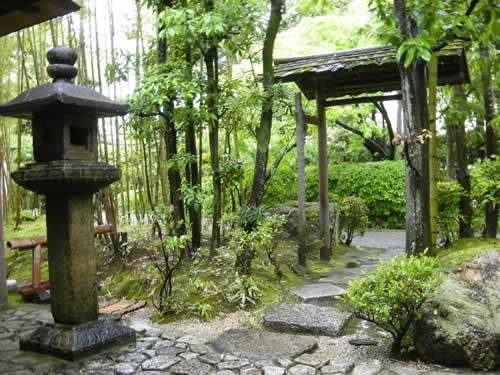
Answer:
(183, 347)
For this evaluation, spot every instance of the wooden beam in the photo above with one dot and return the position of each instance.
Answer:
(365, 99)
(310, 119)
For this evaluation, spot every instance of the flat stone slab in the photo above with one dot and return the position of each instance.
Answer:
(76, 342)
(261, 345)
(317, 292)
(306, 318)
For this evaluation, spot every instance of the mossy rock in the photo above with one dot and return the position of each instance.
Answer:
(460, 326)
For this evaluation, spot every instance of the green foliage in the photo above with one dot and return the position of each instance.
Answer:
(391, 296)
(353, 217)
(262, 238)
(449, 196)
(243, 290)
(166, 256)
(484, 184)
(380, 184)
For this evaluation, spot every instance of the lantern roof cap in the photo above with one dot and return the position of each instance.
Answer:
(62, 95)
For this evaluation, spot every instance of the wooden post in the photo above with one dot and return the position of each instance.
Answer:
(323, 180)
(300, 133)
(433, 159)
(36, 267)
(4, 296)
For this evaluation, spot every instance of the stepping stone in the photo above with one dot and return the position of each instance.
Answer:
(317, 292)
(260, 345)
(191, 367)
(305, 318)
(363, 342)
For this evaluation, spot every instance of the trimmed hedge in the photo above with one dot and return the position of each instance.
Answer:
(380, 184)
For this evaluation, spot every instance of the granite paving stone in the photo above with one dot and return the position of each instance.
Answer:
(190, 367)
(338, 366)
(125, 369)
(301, 370)
(306, 318)
(273, 370)
(232, 365)
(250, 371)
(160, 363)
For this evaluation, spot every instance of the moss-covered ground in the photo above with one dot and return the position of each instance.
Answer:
(205, 286)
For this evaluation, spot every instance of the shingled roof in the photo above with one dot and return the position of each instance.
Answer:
(18, 14)
(362, 70)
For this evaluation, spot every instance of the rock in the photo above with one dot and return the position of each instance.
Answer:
(363, 342)
(153, 332)
(306, 318)
(190, 367)
(258, 345)
(298, 269)
(313, 360)
(191, 340)
(232, 365)
(301, 370)
(250, 371)
(210, 358)
(317, 292)
(273, 370)
(460, 326)
(365, 368)
(160, 363)
(125, 369)
(338, 366)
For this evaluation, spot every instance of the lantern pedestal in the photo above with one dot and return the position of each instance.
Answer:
(73, 342)
(64, 123)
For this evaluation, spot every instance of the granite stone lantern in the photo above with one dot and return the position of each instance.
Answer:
(64, 126)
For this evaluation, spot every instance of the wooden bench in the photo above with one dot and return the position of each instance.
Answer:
(38, 288)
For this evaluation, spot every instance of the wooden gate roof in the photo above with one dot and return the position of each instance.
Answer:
(18, 14)
(362, 70)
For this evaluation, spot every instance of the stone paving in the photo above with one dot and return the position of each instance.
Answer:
(160, 351)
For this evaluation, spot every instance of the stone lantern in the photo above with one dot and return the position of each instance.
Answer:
(64, 126)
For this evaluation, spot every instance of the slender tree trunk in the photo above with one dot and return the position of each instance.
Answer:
(263, 132)
(192, 168)
(170, 135)
(491, 220)
(414, 90)
(457, 164)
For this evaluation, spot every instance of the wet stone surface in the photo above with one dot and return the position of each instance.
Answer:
(161, 349)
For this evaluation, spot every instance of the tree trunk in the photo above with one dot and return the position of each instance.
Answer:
(491, 221)
(457, 160)
(192, 168)
(263, 132)
(414, 91)
(170, 135)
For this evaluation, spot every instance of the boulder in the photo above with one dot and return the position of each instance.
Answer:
(460, 326)
(262, 345)
(306, 318)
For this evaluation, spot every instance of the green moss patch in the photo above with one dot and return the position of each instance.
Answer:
(464, 249)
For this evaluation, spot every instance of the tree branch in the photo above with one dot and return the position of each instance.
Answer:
(369, 143)
(278, 160)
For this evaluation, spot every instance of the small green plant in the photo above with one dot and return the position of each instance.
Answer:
(391, 296)
(353, 217)
(484, 186)
(263, 237)
(449, 196)
(242, 291)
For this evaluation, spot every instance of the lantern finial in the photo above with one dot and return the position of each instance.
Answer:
(61, 61)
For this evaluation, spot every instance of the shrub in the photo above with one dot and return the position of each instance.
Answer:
(484, 186)
(380, 184)
(353, 218)
(391, 296)
(449, 196)
(262, 238)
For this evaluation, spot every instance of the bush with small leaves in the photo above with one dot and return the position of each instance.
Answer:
(391, 296)
(353, 217)
(449, 196)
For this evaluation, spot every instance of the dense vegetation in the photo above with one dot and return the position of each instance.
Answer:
(209, 142)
